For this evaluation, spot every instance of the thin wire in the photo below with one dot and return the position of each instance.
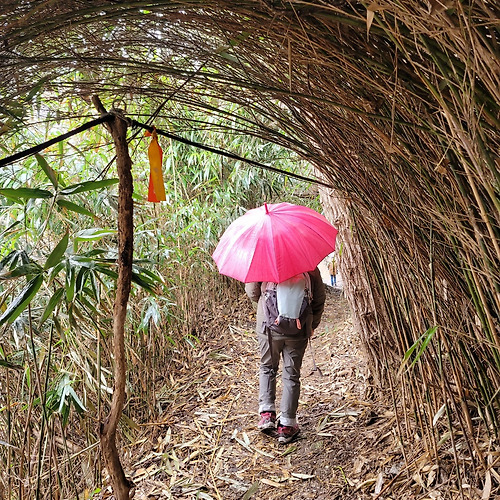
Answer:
(40, 147)
(227, 154)
(135, 124)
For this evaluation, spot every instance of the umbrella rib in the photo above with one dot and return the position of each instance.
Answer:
(274, 244)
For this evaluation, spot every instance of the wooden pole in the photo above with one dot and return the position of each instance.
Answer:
(122, 487)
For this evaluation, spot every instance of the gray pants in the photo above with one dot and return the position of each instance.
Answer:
(292, 351)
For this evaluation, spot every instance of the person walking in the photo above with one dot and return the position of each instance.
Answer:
(290, 346)
(332, 269)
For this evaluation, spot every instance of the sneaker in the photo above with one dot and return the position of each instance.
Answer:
(267, 420)
(287, 433)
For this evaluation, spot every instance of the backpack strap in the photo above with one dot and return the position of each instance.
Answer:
(309, 292)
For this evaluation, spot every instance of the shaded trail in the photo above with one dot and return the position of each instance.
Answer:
(208, 446)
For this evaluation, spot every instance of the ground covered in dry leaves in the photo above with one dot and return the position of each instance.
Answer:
(207, 445)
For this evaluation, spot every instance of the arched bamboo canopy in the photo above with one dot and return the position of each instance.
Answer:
(396, 104)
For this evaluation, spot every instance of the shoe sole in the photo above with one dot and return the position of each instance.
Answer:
(265, 427)
(286, 440)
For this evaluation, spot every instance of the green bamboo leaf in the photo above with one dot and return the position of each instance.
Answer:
(70, 284)
(151, 276)
(54, 300)
(143, 282)
(107, 271)
(239, 38)
(12, 366)
(49, 171)
(152, 313)
(95, 252)
(62, 395)
(56, 270)
(17, 306)
(93, 234)
(11, 259)
(427, 338)
(23, 270)
(25, 193)
(251, 491)
(95, 287)
(85, 302)
(10, 228)
(36, 88)
(73, 207)
(79, 406)
(228, 56)
(88, 186)
(421, 343)
(81, 278)
(409, 352)
(58, 252)
(79, 260)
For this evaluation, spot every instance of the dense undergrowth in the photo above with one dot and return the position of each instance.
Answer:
(58, 271)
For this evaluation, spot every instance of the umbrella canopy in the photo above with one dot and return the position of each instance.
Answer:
(274, 242)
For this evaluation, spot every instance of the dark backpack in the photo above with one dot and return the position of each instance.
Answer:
(287, 305)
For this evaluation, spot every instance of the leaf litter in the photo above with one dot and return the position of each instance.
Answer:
(205, 443)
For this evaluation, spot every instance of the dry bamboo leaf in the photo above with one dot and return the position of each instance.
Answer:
(370, 14)
(237, 485)
(347, 413)
(298, 475)
(264, 453)
(418, 479)
(487, 486)
(243, 444)
(149, 456)
(246, 438)
(438, 415)
(281, 479)
(162, 443)
(434, 495)
(367, 483)
(289, 64)
(444, 438)
(379, 483)
(237, 417)
(193, 455)
(272, 483)
(495, 474)
(431, 477)
(358, 464)
(435, 7)
(189, 443)
(440, 169)
(173, 479)
(140, 474)
(219, 453)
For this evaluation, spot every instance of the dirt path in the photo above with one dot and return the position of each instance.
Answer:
(208, 446)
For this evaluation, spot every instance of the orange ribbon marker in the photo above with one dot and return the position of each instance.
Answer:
(156, 191)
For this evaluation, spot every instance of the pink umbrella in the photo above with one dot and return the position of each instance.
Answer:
(274, 243)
